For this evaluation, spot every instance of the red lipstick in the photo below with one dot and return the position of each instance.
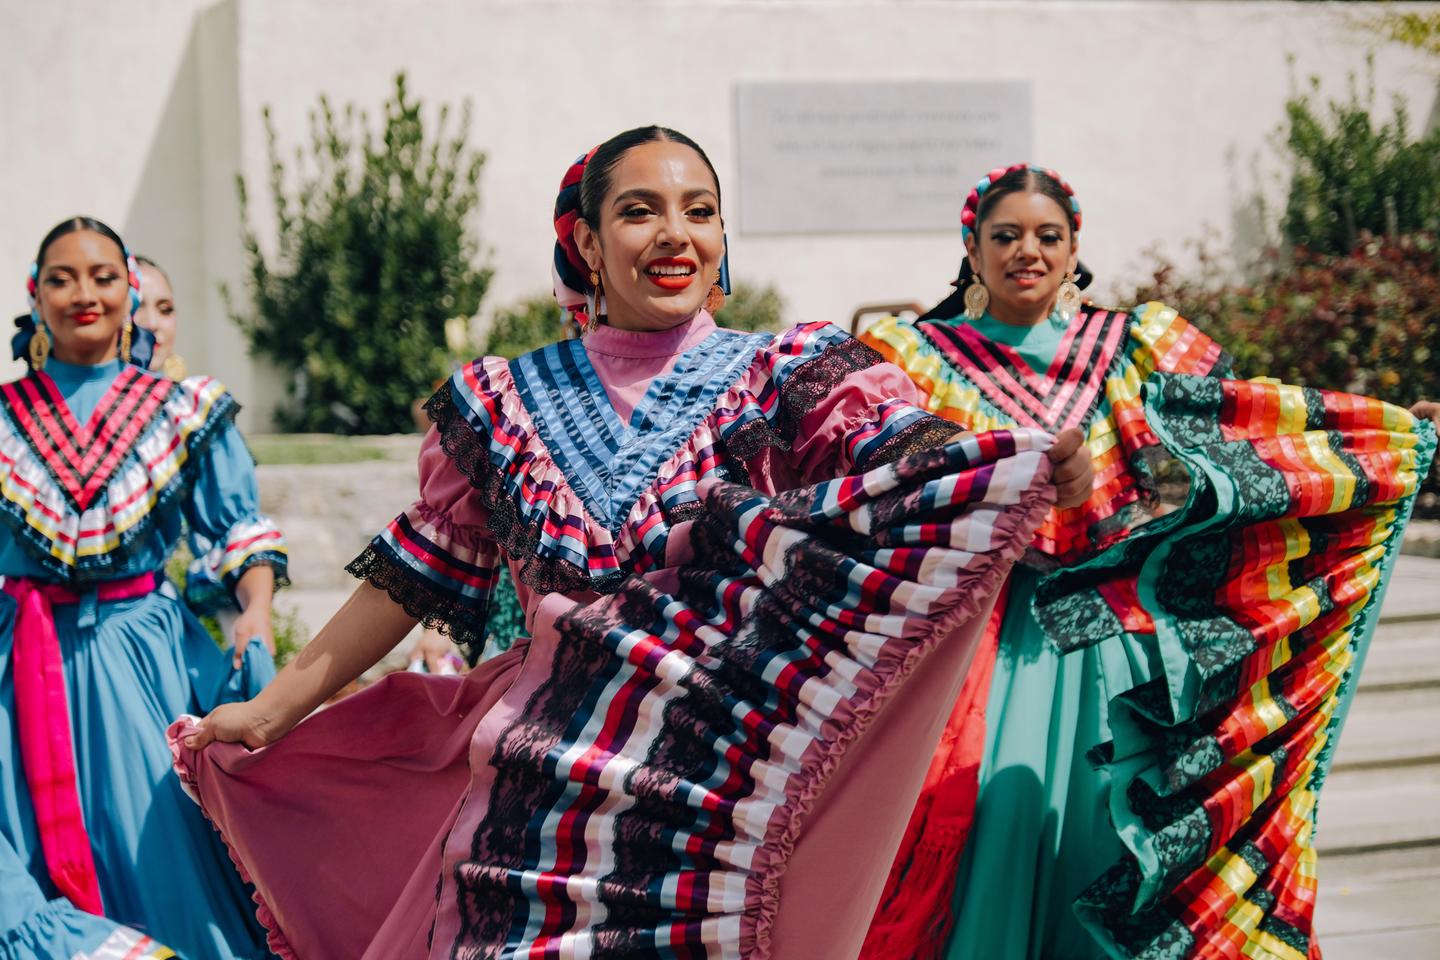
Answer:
(671, 273)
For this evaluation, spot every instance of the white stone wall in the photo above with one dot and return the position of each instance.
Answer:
(1161, 115)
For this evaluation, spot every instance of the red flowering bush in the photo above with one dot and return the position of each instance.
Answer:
(1367, 322)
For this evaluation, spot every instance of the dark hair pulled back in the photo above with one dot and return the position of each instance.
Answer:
(75, 225)
(599, 169)
(1026, 180)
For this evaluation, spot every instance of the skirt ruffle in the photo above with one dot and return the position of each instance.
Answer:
(643, 778)
(1245, 615)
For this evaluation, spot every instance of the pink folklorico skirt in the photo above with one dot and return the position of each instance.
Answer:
(717, 760)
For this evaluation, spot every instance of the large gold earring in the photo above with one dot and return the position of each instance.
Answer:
(715, 299)
(125, 341)
(977, 300)
(39, 347)
(1068, 302)
(597, 294)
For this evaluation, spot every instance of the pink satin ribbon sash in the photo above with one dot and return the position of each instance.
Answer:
(43, 717)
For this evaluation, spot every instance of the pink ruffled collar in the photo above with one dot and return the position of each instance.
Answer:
(649, 345)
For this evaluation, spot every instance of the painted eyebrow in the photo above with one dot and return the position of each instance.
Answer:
(640, 193)
(1016, 226)
(66, 268)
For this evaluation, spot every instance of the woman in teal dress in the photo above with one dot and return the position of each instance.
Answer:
(101, 463)
(1133, 771)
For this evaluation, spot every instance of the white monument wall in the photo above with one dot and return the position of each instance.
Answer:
(1159, 113)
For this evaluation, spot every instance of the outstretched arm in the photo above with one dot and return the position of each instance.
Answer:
(367, 627)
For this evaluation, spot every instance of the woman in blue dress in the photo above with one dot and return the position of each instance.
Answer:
(101, 463)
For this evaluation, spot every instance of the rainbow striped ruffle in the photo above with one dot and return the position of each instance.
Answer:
(1251, 606)
(1240, 615)
(1095, 383)
(83, 502)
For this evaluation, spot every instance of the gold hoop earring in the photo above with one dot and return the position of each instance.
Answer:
(977, 300)
(39, 347)
(1068, 302)
(715, 299)
(125, 341)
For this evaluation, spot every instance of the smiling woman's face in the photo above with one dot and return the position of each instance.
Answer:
(659, 240)
(1022, 251)
(157, 312)
(84, 296)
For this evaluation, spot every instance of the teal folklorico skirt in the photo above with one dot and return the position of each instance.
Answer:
(131, 667)
(1041, 832)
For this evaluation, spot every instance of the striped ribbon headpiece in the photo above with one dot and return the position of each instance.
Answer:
(569, 271)
(972, 202)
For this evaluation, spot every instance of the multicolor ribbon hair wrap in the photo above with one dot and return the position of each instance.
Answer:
(142, 341)
(971, 211)
(569, 271)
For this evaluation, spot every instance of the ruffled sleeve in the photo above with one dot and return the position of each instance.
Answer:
(229, 533)
(843, 408)
(437, 559)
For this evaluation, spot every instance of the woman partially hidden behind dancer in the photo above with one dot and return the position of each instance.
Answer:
(1133, 765)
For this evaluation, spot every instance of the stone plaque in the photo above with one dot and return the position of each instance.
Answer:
(875, 156)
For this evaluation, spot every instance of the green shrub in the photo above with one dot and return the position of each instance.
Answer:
(1350, 177)
(525, 326)
(1367, 321)
(749, 307)
(1364, 322)
(373, 257)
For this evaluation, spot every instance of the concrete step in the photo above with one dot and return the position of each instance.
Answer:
(1415, 943)
(1413, 593)
(1403, 655)
(1390, 726)
(1365, 811)
(1353, 907)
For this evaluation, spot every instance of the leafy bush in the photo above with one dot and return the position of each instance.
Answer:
(1367, 321)
(291, 633)
(749, 307)
(373, 257)
(1412, 28)
(1350, 177)
(525, 326)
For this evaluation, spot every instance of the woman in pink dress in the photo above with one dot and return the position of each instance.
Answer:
(735, 553)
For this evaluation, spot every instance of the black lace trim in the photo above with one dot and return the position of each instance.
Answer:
(924, 434)
(746, 442)
(518, 539)
(274, 559)
(816, 377)
(205, 597)
(434, 608)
